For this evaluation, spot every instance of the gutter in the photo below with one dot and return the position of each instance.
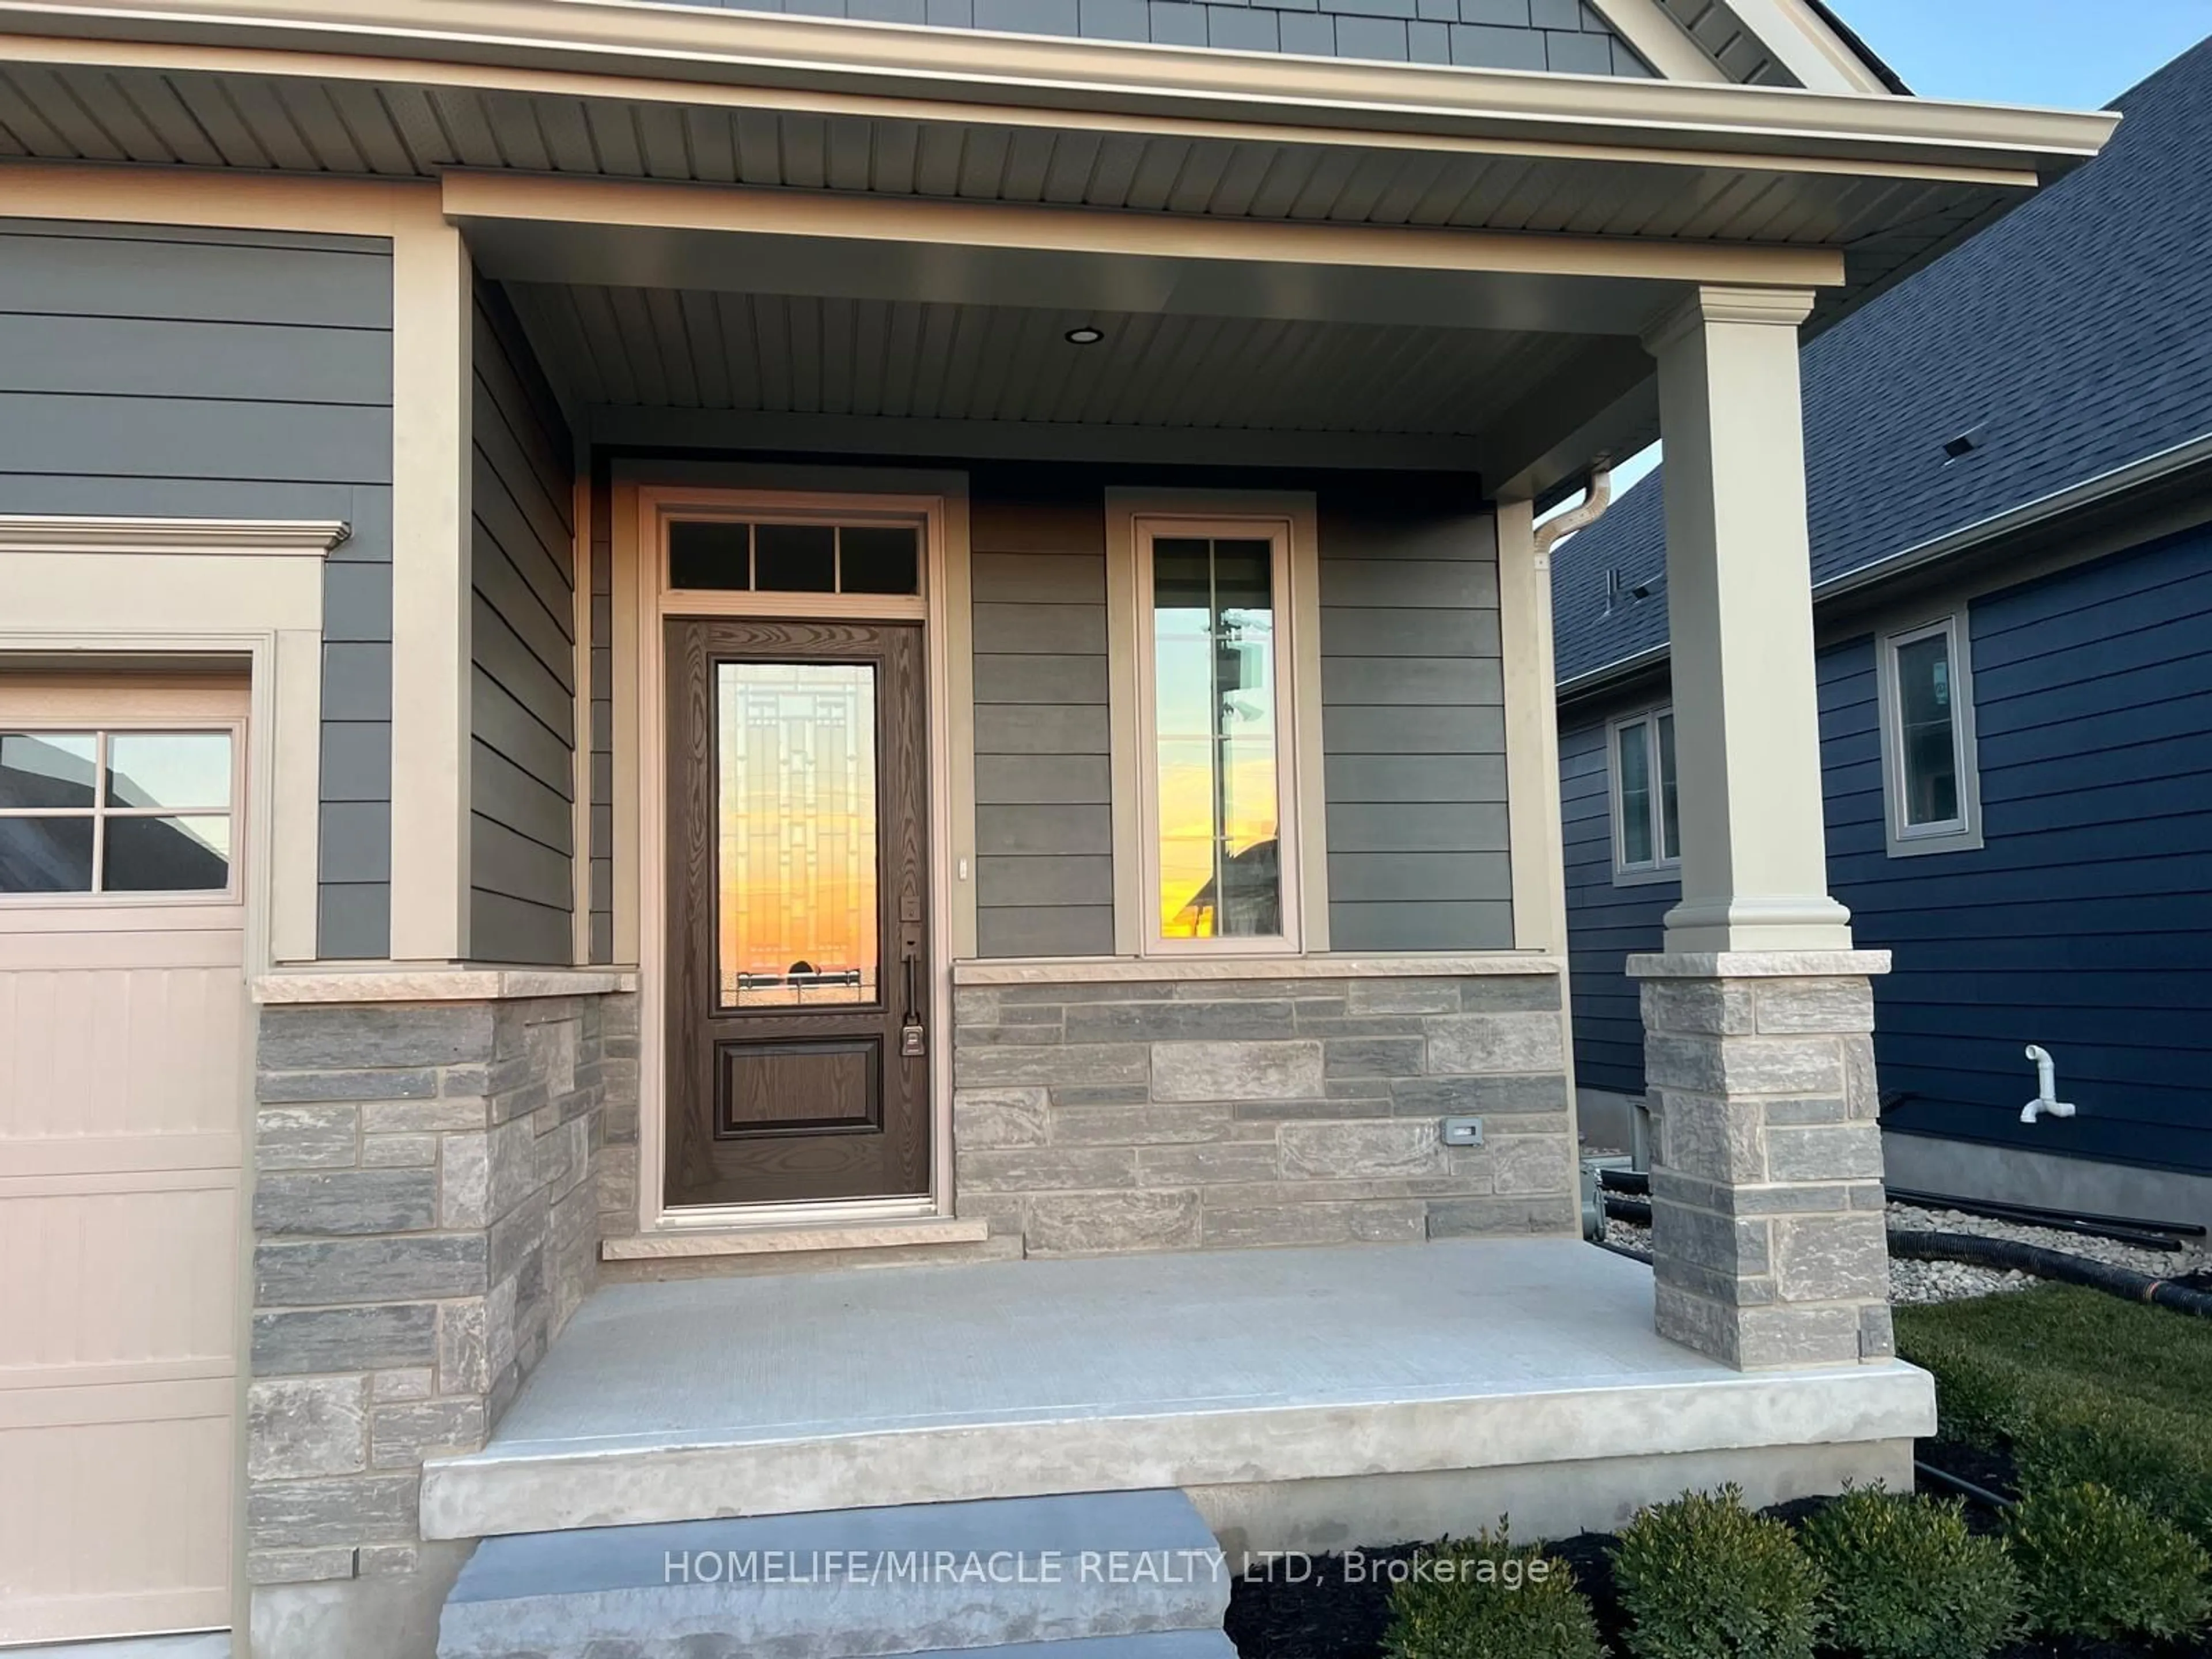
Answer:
(2074, 498)
(1603, 118)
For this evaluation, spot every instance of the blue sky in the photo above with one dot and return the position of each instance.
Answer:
(2075, 53)
(2078, 54)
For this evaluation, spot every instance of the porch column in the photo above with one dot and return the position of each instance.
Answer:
(1767, 1227)
(432, 324)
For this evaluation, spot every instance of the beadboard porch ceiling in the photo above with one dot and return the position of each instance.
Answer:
(910, 360)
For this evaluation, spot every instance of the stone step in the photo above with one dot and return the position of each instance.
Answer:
(1006, 1574)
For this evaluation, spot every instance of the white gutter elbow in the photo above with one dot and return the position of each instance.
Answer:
(1596, 497)
(2045, 1104)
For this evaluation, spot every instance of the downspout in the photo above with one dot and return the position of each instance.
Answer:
(1597, 496)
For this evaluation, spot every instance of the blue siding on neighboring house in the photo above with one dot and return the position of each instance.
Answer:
(1605, 922)
(156, 370)
(2083, 923)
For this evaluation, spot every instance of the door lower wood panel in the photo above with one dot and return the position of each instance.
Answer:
(799, 1009)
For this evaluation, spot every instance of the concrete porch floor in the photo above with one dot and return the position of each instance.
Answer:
(1305, 1398)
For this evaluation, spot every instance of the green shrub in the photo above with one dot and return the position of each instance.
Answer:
(2101, 1565)
(1487, 1598)
(1907, 1580)
(2160, 1458)
(2077, 1386)
(1702, 1577)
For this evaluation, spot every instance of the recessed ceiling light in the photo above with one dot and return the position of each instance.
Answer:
(1085, 336)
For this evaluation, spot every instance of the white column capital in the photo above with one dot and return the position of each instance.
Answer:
(1775, 307)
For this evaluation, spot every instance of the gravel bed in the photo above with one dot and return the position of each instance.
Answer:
(2162, 1264)
(1957, 1281)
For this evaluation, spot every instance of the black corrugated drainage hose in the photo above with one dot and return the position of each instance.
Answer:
(1980, 1252)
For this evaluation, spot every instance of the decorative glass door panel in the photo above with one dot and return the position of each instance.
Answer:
(798, 1018)
(795, 805)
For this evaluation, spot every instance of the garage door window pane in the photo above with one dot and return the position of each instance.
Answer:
(167, 856)
(171, 769)
(144, 812)
(45, 855)
(45, 769)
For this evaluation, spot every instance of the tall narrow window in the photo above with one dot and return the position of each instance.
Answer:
(1216, 741)
(1647, 823)
(1927, 712)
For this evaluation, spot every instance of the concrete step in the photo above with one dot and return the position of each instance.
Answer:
(1011, 1574)
(1152, 1644)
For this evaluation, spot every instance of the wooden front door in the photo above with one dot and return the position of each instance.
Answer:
(799, 984)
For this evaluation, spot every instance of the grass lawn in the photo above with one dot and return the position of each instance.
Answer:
(2077, 1385)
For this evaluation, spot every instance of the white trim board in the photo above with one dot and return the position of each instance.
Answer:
(643, 502)
(44, 533)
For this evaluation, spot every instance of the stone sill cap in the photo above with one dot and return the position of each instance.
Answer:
(1099, 970)
(1759, 964)
(675, 1243)
(440, 984)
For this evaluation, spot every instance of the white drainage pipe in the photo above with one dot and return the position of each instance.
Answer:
(2047, 1102)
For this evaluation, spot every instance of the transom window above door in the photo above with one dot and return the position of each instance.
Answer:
(116, 811)
(811, 556)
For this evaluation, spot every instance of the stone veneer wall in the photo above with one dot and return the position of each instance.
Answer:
(1768, 1240)
(426, 1219)
(1094, 1117)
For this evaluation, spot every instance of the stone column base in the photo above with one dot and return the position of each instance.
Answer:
(1768, 1240)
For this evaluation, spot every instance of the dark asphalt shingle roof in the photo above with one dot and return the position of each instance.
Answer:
(2073, 336)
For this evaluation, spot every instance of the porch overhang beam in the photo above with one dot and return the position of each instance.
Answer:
(876, 247)
(664, 53)
(662, 428)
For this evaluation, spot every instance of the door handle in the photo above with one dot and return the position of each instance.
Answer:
(913, 1041)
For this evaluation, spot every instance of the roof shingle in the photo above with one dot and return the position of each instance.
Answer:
(2073, 336)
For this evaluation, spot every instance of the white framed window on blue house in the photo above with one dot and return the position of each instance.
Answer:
(1647, 819)
(1930, 788)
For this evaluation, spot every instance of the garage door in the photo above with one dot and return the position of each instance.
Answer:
(123, 1090)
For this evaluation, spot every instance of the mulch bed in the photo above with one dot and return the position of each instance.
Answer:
(1321, 1616)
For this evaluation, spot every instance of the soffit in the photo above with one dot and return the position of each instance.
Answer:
(390, 127)
(624, 346)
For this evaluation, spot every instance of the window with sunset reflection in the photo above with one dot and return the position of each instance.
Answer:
(795, 833)
(1213, 665)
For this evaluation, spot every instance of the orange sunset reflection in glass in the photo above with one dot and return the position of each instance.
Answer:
(1213, 651)
(795, 832)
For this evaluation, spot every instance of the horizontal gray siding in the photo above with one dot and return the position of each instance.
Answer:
(1412, 727)
(602, 734)
(158, 371)
(1044, 823)
(1564, 36)
(523, 646)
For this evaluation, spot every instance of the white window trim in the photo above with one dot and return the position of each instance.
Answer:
(102, 729)
(1964, 833)
(1661, 868)
(1131, 516)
